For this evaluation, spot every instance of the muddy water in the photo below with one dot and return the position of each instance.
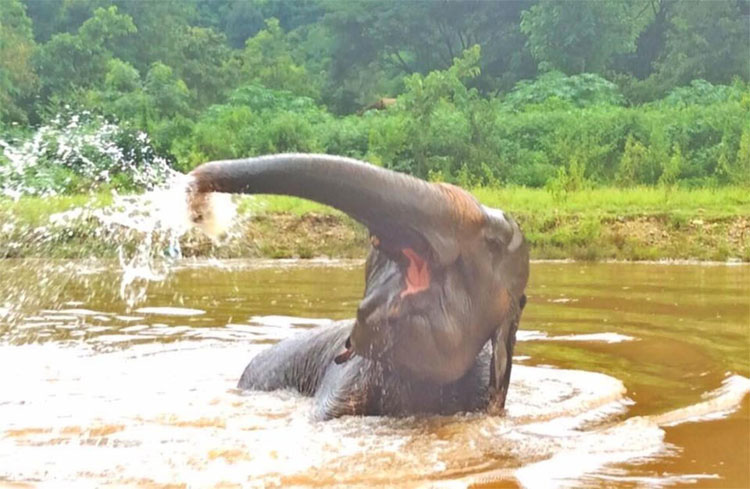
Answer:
(626, 376)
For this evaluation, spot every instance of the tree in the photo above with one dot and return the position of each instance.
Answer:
(240, 20)
(707, 40)
(121, 77)
(71, 61)
(122, 95)
(17, 77)
(579, 90)
(389, 40)
(205, 62)
(160, 25)
(52, 17)
(268, 60)
(432, 126)
(582, 36)
(168, 94)
(158, 105)
(649, 45)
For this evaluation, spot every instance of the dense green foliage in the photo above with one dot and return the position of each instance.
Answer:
(531, 92)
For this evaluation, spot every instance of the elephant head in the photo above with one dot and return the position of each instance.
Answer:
(445, 274)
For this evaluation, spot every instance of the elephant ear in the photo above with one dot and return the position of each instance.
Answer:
(503, 342)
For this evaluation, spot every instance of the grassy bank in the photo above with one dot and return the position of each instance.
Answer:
(605, 223)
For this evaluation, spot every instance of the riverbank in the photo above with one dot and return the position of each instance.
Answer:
(597, 224)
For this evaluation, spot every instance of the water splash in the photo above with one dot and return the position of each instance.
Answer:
(530, 335)
(148, 228)
(632, 440)
(166, 415)
(145, 229)
(79, 148)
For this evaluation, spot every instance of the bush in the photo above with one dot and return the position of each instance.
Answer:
(632, 163)
(560, 132)
(582, 90)
(565, 131)
(701, 92)
(346, 136)
(257, 120)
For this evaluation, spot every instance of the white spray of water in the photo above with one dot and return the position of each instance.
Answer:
(83, 145)
(147, 228)
(213, 213)
(160, 217)
(75, 148)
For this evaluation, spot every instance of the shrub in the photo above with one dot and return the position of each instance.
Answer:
(632, 162)
(556, 88)
(671, 169)
(742, 172)
(256, 120)
(701, 92)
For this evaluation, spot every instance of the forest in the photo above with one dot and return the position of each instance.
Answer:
(562, 95)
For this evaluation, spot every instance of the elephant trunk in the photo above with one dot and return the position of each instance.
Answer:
(390, 204)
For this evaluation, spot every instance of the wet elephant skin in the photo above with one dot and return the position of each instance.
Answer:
(445, 281)
(359, 386)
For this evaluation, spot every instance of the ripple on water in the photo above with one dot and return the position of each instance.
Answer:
(77, 312)
(169, 414)
(171, 311)
(149, 399)
(530, 335)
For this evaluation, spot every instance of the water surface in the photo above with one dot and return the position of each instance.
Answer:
(627, 375)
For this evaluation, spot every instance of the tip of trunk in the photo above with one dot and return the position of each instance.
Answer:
(211, 212)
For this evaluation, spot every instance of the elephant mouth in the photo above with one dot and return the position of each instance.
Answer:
(417, 276)
(404, 288)
(397, 284)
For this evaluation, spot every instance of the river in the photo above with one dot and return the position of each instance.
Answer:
(625, 375)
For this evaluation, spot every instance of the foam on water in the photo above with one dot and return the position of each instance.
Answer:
(288, 321)
(635, 439)
(530, 335)
(75, 312)
(718, 404)
(170, 311)
(162, 414)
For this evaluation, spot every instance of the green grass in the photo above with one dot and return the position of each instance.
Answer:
(273, 204)
(680, 203)
(603, 223)
(642, 223)
(35, 211)
(712, 203)
(638, 201)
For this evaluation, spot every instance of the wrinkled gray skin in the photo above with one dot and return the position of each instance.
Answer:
(359, 386)
(444, 291)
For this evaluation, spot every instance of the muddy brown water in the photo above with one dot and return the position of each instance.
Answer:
(626, 375)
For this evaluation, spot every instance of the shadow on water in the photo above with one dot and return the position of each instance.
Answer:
(627, 375)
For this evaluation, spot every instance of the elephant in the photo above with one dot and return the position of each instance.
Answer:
(444, 291)
(380, 104)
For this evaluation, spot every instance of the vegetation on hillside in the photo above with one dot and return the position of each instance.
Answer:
(538, 93)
